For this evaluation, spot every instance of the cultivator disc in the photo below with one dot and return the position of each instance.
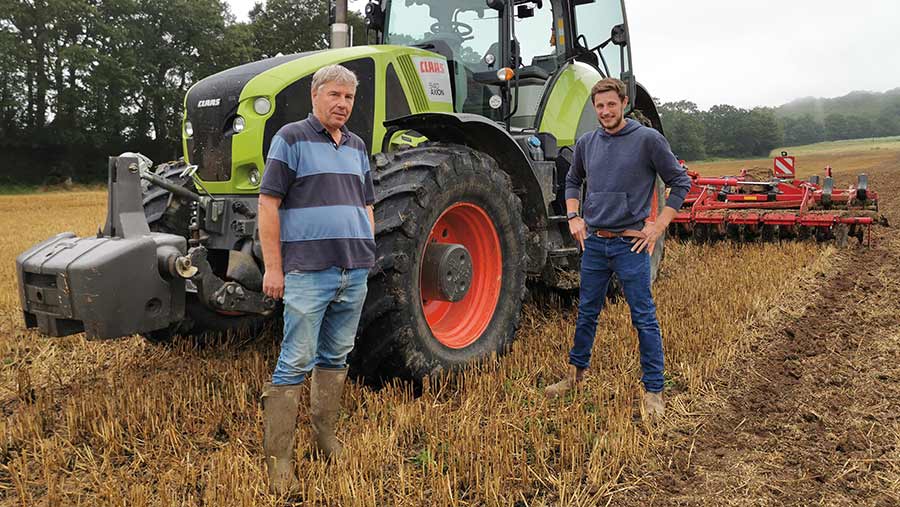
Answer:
(748, 207)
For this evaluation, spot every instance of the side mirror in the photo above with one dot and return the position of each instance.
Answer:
(525, 11)
(618, 35)
(374, 16)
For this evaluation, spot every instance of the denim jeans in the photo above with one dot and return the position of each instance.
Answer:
(602, 257)
(321, 314)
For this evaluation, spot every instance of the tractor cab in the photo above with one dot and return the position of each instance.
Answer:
(506, 56)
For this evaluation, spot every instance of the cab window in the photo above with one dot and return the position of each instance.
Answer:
(595, 21)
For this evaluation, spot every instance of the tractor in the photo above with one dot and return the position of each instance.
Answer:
(470, 110)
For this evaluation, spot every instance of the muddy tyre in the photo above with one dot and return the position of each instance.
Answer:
(449, 196)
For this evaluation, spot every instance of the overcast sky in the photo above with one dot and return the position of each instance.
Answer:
(755, 52)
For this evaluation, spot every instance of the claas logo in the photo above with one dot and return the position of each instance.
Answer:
(432, 67)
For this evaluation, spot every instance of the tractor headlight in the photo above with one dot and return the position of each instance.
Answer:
(253, 176)
(238, 125)
(262, 106)
(188, 129)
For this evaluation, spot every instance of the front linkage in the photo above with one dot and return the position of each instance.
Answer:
(127, 279)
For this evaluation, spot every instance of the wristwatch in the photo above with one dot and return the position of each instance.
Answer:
(572, 214)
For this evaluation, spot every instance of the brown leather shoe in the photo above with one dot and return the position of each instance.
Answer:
(654, 405)
(324, 407)
(279, 427)
(573, 377)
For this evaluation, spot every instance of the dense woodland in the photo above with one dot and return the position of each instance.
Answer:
(728, 131)
(84, 79)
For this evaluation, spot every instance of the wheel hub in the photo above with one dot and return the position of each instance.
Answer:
(460, 275)
(446, 272)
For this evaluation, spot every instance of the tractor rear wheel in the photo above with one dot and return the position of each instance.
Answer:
(449, 280)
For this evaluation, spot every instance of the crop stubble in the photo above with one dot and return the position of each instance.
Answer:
(128, 423)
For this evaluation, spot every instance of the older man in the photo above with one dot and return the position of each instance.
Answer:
(317, 231)
(620, 161)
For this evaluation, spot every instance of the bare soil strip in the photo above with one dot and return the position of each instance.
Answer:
(812, 415)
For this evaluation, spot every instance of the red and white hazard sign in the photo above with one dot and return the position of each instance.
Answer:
(784, 167)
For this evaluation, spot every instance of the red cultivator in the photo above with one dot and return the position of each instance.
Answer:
(746, 208)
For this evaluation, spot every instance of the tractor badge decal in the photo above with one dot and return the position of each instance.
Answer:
(435, 78)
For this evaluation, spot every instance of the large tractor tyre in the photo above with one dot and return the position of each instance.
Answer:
(171, 214)
(615, 292)
(446, 217)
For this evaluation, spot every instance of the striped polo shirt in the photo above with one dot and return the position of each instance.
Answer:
(325, 188)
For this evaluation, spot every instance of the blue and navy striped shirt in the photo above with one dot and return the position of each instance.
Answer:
(325, 188)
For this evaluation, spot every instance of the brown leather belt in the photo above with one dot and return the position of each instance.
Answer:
(627, 233)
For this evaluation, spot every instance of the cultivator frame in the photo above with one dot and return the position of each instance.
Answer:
(743, 209)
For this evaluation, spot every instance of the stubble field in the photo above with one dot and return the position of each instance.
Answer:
(128, 423)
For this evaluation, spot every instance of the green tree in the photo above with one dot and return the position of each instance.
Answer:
(837, 126)
(888, 121)
(684, 129)
(288, 26)
(803, 130)
(722, 135)
(760, 132)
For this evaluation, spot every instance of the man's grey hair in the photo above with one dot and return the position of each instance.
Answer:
(333, 74)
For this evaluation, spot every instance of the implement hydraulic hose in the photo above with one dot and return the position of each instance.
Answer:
(171, 187)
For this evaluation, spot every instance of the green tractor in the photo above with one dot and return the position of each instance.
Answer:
(470, 110)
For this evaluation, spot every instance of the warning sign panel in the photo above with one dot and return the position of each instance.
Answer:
(435, 76)
(784, 167)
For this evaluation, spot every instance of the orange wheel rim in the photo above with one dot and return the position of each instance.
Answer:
(458, 325)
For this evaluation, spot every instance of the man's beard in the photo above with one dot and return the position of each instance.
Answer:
(620, 119)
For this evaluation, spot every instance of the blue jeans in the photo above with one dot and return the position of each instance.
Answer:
(321, 314)
(602, 257)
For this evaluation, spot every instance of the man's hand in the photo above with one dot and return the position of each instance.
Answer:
(273, 284)
(651, 233)
(578, 229)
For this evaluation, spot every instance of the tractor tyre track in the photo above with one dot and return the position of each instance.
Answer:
(812, 415)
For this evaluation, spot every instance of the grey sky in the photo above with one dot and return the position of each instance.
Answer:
(755, 52)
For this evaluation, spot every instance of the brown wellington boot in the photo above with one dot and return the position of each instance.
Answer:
(654, 405)
(324, 406)
(280, 422)
(573, 377)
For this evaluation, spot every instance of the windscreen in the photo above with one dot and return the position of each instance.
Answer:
(468, 27)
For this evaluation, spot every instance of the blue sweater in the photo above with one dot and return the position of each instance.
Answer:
(621, 171)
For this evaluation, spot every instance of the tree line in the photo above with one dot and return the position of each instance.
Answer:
(729, 131)
(83, 79)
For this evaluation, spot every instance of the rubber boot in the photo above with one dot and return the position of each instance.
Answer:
(279, 427)
(654, 405)
(573, 377)
(324, 406)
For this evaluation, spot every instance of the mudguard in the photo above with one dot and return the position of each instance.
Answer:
(486, 136)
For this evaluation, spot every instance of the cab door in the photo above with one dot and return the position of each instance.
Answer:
(594, 34)
(536, 57)
(602, 39)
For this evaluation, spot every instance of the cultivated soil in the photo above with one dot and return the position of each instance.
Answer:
(781, 367)
(811, 414)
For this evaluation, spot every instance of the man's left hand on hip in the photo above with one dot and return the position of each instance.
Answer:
(651, 233)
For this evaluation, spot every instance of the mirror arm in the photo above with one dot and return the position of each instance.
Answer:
(515, 107)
